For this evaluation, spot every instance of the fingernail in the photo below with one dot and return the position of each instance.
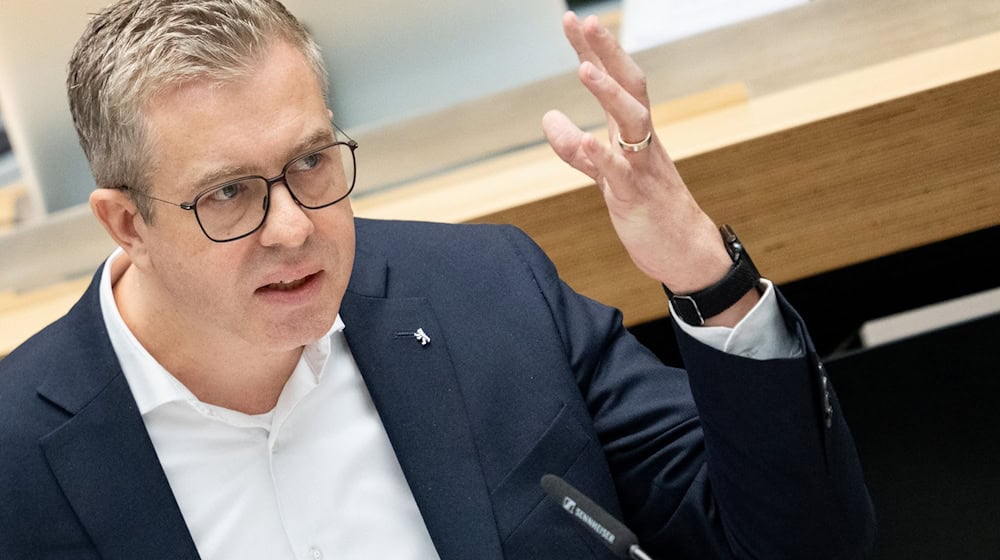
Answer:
(595, 74)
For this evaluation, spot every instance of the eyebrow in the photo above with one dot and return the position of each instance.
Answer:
(220, 175)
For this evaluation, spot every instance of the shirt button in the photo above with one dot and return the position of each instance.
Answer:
(317, 554)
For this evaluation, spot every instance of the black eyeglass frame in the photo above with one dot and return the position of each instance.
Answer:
(280, 178)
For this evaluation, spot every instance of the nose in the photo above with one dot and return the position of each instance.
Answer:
(287, 223)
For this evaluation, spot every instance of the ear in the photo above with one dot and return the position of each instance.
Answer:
(121, 219)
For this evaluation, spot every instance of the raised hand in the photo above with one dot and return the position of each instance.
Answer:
(660, 224)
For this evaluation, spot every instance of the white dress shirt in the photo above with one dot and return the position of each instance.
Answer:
(316, 477)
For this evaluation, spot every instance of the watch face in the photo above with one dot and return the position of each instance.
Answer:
(736, 250)
(733, 245)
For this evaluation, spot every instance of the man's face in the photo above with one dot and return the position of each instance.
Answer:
(279, 288)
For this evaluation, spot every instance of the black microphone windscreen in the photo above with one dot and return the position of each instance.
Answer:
(613, 533)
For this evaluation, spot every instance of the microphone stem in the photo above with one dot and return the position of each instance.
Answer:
(637, 553)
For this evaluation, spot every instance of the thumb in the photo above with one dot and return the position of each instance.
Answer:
(567, 142)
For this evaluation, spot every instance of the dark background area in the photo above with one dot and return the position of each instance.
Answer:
(921, 409)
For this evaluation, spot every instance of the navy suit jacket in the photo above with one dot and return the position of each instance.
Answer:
(522, 377)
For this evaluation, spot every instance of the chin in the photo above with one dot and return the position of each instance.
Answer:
(300, 333)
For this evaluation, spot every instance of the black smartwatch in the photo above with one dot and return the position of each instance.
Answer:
(742, 277)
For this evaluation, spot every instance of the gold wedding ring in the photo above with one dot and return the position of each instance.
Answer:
(638, 146)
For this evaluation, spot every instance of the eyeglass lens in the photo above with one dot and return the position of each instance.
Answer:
(316, 179)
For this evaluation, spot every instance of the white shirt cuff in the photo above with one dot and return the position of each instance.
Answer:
(761, 334)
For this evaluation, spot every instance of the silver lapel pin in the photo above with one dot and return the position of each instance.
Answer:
(422, 337)
(419, 334)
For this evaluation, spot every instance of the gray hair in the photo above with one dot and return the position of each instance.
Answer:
(135, 49)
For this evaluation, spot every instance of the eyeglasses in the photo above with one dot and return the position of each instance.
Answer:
(238, 208)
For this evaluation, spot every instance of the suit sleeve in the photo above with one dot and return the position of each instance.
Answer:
(733, 458)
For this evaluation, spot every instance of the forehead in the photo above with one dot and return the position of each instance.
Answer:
(255, 121)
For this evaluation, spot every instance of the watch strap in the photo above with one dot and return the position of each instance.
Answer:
(742, 277)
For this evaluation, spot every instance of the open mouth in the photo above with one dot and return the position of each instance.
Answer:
(287, 286)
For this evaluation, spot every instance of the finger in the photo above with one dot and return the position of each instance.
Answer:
(629, 117)
(573, 29)
(566, 140)
(602, 45)
(615, 174)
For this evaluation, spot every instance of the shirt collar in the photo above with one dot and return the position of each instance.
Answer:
(151, 384)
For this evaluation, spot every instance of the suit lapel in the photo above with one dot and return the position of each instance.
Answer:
(102, 456)
(106, 465)
(415, 390)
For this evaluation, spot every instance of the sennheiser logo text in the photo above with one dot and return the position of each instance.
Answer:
(570, 506)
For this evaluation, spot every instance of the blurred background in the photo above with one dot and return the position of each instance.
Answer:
(390, 61)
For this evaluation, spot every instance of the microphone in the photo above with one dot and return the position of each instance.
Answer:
(613, 533)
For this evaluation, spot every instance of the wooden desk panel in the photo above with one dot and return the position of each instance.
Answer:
(813, 198)
(827, 174)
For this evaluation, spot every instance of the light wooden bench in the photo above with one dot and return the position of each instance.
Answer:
(816, 177)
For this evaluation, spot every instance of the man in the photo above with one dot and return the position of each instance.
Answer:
(255, 374)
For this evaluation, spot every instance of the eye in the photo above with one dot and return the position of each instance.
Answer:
(309, 162)
(228, 192)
